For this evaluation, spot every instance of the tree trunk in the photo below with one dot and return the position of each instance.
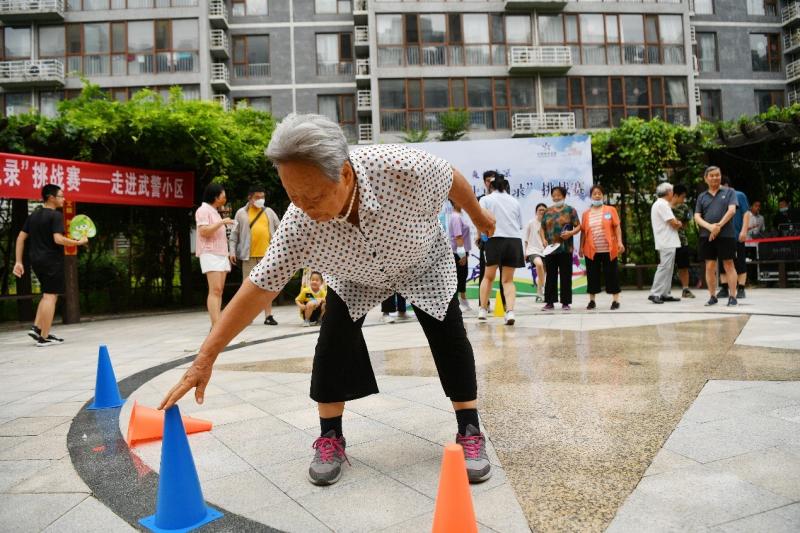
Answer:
(19, 212)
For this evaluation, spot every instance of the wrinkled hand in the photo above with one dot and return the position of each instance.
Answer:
(565, 235)
(742, 237)
(227, 221)
(19, 269)
(485, 223)
(232, 259)
(196, 377)
(621, 248)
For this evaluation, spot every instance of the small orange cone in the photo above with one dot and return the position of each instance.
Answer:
(454, 512)
(148, 424)
(499, 311)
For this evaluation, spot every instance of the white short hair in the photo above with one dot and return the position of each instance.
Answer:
(663, 189)
(310, 138)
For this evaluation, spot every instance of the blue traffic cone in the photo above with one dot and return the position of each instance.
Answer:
(180, 505)
(106, 391)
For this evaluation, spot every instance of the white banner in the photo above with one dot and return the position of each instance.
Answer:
(533, 166)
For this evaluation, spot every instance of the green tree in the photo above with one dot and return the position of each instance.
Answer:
(454, 124)
(415, 136)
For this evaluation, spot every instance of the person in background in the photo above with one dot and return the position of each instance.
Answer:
(212, 246)
(601, 244)
(713, 214)
(785, 215)
(683, 214)
(480, 239)
(560, 223)
(45, 229)
(254, 227)
(504, 248)
(667, 241)
(757, 226)
(311, 300)
(534, 249)
(461, 243)
(394, 304)
(741, 219)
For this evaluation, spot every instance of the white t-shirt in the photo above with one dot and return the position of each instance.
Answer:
(533, 243)
(665, 235)
(507, 213)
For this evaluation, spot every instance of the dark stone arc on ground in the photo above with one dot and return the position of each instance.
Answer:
(115, 475)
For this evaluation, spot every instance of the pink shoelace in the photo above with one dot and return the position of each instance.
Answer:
(471, 445)
(328, 447)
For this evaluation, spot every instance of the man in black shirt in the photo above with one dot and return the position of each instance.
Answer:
(45, 228)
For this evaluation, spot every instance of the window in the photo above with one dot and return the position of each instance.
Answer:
(97, 49)
(762, 7)
(260, 103)
(17, 103)
(670, 29)
(242, 8)
(332, 6)
(251, 56)
(707, 52)
(51, 41)
(340, 108)
(48, 102)
(767, 99)
(390, 40)
(703, 7)
(16, 43)
(765, 52)
(711, 105)
(335, 54)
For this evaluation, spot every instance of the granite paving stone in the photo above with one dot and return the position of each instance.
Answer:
(89, 516)
(34, 512)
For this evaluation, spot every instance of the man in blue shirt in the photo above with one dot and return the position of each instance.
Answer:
(741, 221)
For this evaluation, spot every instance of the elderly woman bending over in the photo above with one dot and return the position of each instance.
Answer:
(344, 222)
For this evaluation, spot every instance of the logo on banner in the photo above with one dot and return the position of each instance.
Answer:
(546, 150)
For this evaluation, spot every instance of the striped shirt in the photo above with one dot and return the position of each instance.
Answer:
(598, 235)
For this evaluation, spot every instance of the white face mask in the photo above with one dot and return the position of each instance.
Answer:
(559, 203)
(259, 203)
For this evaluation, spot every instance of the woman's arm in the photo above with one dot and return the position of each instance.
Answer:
(461, 193)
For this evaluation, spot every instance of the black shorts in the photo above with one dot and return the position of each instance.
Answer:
(740, 261)
(722, 248)
(682, 258)
(50, 276)
(504, 251)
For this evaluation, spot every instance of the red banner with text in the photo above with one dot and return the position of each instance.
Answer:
(23, 176)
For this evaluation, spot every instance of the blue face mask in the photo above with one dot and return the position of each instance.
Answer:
(560, 203)
(597, 203)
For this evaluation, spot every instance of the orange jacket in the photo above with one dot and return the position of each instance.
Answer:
(610, 222)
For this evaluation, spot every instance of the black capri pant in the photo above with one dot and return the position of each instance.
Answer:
(342, 370)
(461, 274)
(602, 263)
(559, 268)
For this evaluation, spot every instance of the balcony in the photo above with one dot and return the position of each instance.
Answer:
(791, 40)
(362, 72)
(534, 123)
(218, 14)
(220, 77)
(540, 5)
(364, 101)
(360, 11)
(793, 96)
(222, 99)
(329, 69)
(365, 134)
(793, 71)
(539, 59)
(219, 45)
(362, 36)
(252, 71)
(790, 13)
(31, 10)
(41, 73)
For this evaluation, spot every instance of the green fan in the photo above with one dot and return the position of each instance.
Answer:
(82, 226)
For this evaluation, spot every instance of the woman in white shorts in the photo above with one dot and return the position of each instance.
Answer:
(212, 246)
(534, 249)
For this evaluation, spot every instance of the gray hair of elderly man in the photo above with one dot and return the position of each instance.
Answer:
(710, 169)
(313, 139)
(663, 189)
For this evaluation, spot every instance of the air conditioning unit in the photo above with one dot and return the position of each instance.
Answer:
(33, 5)
(34, 71)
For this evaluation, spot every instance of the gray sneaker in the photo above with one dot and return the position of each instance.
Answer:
(326, 467)
(474, 444)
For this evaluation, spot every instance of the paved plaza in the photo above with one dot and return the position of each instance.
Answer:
(672, 417)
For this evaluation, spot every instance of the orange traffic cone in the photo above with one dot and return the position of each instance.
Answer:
(454, 512)
(148, 424)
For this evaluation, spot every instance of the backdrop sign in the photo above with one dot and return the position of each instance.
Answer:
(533, 166)
(23, 176)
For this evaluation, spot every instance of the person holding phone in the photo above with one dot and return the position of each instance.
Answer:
(560, 224)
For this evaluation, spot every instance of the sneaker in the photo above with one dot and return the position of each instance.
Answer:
(482, 312)
(34, 333)
(41, 342)
(656, 299)
(306, 323)
(591, 305)
(464, 305)
(388, 319)
(669, 298)
(548, 307)
(740, 292)
(566, 307)
(539, 299)
(510, 318)
(326, 467)
(723, 292)
(732, 301)
(614, 306)
(687, 294)
(270, 321)
(474, 443)
(711, 301)
(54, 338)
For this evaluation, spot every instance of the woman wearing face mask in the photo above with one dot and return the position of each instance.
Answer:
(601, 243)
(560, 224)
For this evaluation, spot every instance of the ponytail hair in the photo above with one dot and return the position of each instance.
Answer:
(500, 184)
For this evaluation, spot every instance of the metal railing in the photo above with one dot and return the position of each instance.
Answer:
(360, 7)
(790, 12)
(222, 100)
(793, 96)
(693, 34)
(8, 7)
(251, 70)
(793, 70)
(527, 123)
(791, 39)
(362, 67)
(539, 56)
(219, 73)
(30, 71)
(219, 40)
(364, 100)
(362, 35)
(217, 10)
(365, 134)
(697, 100)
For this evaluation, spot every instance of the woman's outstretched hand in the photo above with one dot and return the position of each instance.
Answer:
(196, 377)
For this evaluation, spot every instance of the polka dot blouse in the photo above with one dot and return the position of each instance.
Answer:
(400, 246)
